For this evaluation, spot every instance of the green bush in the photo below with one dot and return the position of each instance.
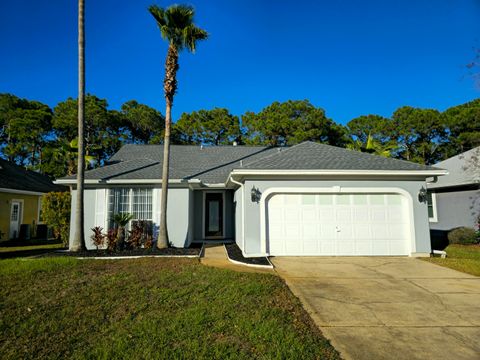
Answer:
(56, 214)
(463, 236)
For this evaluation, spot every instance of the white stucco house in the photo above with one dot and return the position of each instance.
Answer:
(306, 200)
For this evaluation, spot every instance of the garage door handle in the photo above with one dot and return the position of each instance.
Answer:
(337, 229)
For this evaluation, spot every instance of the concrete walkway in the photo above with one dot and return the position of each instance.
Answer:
(388, 308)
(215, 255)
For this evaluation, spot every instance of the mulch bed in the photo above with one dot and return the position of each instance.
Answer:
(235, 253)
(194, 250)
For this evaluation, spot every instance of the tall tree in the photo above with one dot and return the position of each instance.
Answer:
(463, 127)
(78, 242)
(102, 128)
(290, 123)
(375, 126)
(210, 127)
(420, 134)
(177, 27)
(25, 127)
(142, 123)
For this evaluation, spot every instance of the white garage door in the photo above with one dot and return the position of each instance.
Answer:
(337, 224)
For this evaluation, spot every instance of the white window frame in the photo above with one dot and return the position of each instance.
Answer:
(434, 218)
(130, 205)
(203, 214)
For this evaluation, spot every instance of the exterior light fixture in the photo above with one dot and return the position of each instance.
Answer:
(255, 195)
(422, 195)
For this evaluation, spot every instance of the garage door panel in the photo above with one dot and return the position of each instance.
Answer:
(309, 213)
(362, 231)
(398, 231)
(363, 248)
(310, 231)
(326, 213)
(378, 214)
(379, 231)
(396, 214)
(327, 248)
(343, 214)
(345, 247)
(361, 214)
(310, 247)
(398, 247)
(380, 247)
(292, 230)
(328, 231)
(331, 224)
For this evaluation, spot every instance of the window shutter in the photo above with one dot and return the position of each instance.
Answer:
(100, 208)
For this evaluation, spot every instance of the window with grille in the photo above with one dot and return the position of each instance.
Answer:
(135, 201)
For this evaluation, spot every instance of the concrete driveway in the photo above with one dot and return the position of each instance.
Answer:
(388, 308)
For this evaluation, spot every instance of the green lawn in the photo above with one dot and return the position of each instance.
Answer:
(464, 258)
(149, 308)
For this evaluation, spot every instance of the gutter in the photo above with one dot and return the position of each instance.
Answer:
(299, 172)
(119, 181)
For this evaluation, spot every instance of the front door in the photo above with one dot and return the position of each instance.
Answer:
(15, 212)
(214, 215)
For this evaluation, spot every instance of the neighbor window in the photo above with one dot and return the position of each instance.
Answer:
(135, 201)
(432, 207)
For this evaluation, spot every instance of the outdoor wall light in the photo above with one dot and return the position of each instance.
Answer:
(255, 194)
(422, 195)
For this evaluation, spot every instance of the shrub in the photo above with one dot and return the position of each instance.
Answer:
(135, 236)
(98, 238)
(148, 242)
(56, 214)
(111, 239)
(462, 235)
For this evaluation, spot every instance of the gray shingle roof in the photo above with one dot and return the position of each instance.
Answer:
(462, 170)
(213, 164)
(15, 177)
(314, 156)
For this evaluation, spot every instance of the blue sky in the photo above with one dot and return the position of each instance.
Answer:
(348, 57)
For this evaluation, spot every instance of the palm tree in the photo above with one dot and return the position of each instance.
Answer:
(79, 237)
(177, 27)
(121, 220)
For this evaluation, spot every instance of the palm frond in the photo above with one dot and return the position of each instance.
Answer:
(176, 25)
(192, 34)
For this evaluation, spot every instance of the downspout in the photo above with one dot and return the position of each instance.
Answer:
(243, 210)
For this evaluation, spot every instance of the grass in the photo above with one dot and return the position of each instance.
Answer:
(149, 308)
(465, 258)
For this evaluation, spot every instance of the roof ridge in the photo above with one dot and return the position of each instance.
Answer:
(280, 151)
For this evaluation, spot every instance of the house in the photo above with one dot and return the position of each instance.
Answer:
(21, 194)
(308, 199)
(454, 199)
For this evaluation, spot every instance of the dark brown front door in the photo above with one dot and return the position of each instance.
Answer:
(214, 214)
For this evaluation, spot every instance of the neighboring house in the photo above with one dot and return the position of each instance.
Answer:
(308, 199)
(21, 194)
(454, 200)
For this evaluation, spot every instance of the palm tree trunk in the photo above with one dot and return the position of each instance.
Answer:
(79, 237)
(162, 242)
(170, 87)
